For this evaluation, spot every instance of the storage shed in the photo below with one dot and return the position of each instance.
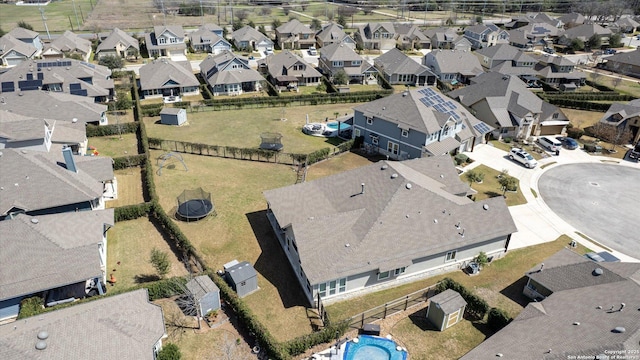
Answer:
(446, 309)
(173, 116)
(242, 277)
(206, 293)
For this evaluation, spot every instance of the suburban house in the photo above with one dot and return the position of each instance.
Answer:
(572, 19)
(124, 326)
(120, 44)
(453, 66)
(288, 70)
(417, 123)
(248, 39)
(14, 51)
(168, 79)
(68, 44)
(29, 37)
(399, 69)
(625, 117)
(536, 35)
(444, 38)
(590, 308)
(396, 220)
(209, 38)
(54, 107)
(81, 182)
(61, 257)
(229, 74)
(68, 76)
(295, 35)
(508, 60)
(338, 56)
(503, 102)
(485, 35)
(411, 37)
(627, 63)
(559, 72)
(541, 17)
(166, 41)
(584, 32)
(551, 121)
(625, 25)
(333, 33)
(21, 132)
(376, 36)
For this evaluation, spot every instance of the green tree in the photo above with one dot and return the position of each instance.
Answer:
(169, 352)
(24, 25)
(507, 183)
(275, 24)
(160, 261)
(342, 21)
(112, 62)
(340, 77)
(615, 40)
(473, 176)
(124, 101)
(482, 258)
(252, 24)
(262, 30)
(594, 41)
(2, 32)
(316, 24)
(237, 25)
(576, 44)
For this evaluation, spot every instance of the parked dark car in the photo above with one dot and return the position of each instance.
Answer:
(570, 143)
(610, 51)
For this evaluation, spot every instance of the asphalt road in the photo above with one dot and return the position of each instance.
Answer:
(601, 200)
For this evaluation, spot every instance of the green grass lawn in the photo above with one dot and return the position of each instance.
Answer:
(491, 188)
(242, 128)
(500, 283)
(57, 14)
(128, 248)
(129, 188)
(115, 146)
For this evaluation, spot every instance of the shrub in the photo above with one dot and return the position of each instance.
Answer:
(497, 319)
(482, 258)
(131, 212)
(461, 159)
(165, 288)
(169, 352)
(574, 132)
(30, 306)
(112, 129)
(124, 162)
(507, 140)
(160, 261)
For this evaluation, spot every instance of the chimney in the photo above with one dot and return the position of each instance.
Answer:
(68, 159)
(362, 190)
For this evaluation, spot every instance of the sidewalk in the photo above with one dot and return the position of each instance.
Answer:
(535, 221)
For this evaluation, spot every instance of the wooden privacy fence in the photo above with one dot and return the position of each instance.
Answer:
(393, 307)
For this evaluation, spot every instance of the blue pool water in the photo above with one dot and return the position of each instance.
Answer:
(334, 125)
(373, 348)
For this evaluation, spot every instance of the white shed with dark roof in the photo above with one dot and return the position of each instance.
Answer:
(206, 293)
(173, 116)
(242, 277)
(446, 309)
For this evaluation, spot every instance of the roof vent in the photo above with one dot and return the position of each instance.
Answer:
(43, 335)
(35, 221)
(41, 345)
(441, 176)
(576, 323)
(435, 221)
(597, 272)
(394, 175)
(619, 330)
(408, 186)
(404, 94)
(384, 167)
(485, 206)
(74, 120)
(347, 245)
(499, 355)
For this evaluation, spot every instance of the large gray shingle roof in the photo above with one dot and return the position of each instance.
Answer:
(294, 26)
(339, 52)
(124, 326)
(70, 41)
(247, 33)
(22, 33)
(218, 69)
(331, 33)
(52, 106)
(395, 61)
(9, 43)
(33, 180)
(449, 301)
(157, 73)
(278, 63)
(58, 250)
(116, 37)
(456, 61)
(388, 215)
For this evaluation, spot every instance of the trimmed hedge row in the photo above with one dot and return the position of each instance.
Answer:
(579, 104)
(497, 319)
(600, 96)
(249, 320)
(599, 87)
(112, 129)
(172, 230)
(165, 288)
(302, 343)
(124, 162)
(476, 308)
(131, 212)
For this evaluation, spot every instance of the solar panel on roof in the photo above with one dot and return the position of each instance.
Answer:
(75, 86)
(29, 84)
(8, 86)
(40, 76)
(80, 92)
(481, 128)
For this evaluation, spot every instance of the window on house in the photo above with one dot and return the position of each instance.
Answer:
(369, 121)
(399, 271)
(393, 148)
(374, 139)
(356, 62)
(383, 275)
(337, 63)
(356, 132)
(332, 287)
(162, 41)
(173, 40)
(405, 133)
(451, 255)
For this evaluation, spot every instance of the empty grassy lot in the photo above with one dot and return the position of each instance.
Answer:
(115, 145)
(242, 128)
(499, 283)
(129, 187)
(129, 246)
(57, 14)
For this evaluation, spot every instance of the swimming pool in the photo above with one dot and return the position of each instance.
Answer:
(373, 348)
(333, 125)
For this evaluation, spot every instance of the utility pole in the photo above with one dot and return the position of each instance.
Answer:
(81, 15)
(70, 23)
(44, 20)
(76, 12)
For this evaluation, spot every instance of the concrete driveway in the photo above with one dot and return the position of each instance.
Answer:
(537, 220)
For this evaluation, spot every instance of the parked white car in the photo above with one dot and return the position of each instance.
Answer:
(523, 157)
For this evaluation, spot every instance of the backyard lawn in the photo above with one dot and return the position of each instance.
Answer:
(129, 187)
(242, 128)
(343, 162)
(115, 145)
(129, 245)
(491, 188)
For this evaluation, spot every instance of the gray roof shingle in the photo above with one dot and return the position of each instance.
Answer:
(395, 61)
(388, 215)
(449, 301)
(200, 286)
(53, 106)
(125, 326)
(158, 73)
(116, 37)
(278, 64)
(71, 42)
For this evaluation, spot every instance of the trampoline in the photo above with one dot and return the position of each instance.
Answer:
(194, 205)
(271, 141)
